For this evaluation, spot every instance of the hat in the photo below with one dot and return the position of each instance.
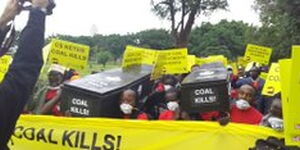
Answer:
(57, 68)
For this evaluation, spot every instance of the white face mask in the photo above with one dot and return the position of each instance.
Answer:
(276, 123)
(126, 108)
(172, 106)
(242, 104)
(167, 87)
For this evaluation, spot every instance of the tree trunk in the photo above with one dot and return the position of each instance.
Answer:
(183, 37)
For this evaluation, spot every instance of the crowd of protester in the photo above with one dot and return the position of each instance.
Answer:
(247, 104)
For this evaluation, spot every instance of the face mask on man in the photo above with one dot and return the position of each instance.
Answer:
(172, 106)
(242, 104)
(167, 87)
(276, 123)
(126, 108)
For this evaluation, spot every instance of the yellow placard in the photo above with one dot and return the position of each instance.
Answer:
(173, 61)
(68, 54)
(285, 75)
(58, 133)
(200, 61)
(218, 58)
(138, 56)
(272, 85)
(242, 62)
(46, 51)
(293, 128)
(5, 62)
(260, 54)
(234, 68)
(191, 61)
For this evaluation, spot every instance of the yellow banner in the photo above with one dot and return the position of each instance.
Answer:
(5, 62)
(285, 75)
(260, 54)
(272, 85)
(293, 128)
(58, 133)
(68, 54)
(138, 56)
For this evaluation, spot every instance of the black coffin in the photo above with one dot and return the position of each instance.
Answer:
(205, 90)
(98, 95)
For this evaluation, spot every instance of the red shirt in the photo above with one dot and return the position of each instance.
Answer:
(51, 93)
(141, 116)
(249, 116)
(210, 116)
(167, 115)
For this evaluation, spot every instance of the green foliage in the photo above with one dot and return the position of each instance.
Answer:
(225, 38)
(103, 57)
(281, 25)
(183, 13)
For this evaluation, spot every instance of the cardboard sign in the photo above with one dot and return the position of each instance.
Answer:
(242, 62)
(5, 62)
(293, 128)
(172, 61)
(272, 85)
(138, 56)
(285, 75)
(68, 54)
(260, 54)
(200, 61)
(217, 58)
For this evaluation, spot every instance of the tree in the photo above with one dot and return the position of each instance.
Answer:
(154, 38)
(225, 38)
(103, 57)
(183, 13)
(280, 25)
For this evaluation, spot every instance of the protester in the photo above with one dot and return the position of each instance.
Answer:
(243, 111)
(50, 99)
(274, 118)
(253, 80)
(128, 106)
(25, 68)
(171, 110)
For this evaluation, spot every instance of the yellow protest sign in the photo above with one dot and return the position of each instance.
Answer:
(218, 58)
(293, 128)
(50, 133)
(191, 61)
(285, 75)
(260, 54)
(234, 68)
(46, 51)
(5, 62)
(172, 61)
(138, 56)
(68, 54)
(200, 61)
(242, 62)
(272, 85)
